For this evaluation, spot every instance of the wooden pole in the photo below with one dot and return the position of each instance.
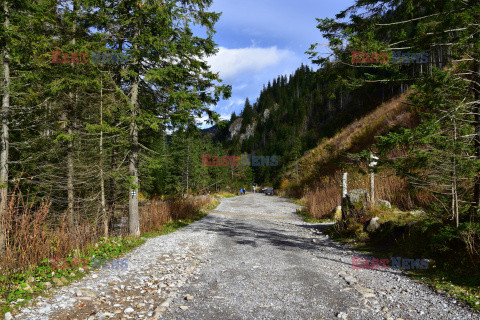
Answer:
(372, 180)
(344, 199)
(344, 186)
(372, 187)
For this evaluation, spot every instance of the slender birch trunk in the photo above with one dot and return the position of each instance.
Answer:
(4, 136)
(103, 207)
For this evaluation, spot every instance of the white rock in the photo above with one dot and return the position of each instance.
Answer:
(188, 297)
(342, 315)
(128, 310)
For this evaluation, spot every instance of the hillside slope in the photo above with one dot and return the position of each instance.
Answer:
(317, 175)
(294, 113)
(355, 137)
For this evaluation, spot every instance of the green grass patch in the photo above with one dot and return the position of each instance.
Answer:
(221, 195)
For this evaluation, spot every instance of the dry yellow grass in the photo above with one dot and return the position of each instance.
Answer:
(320, 171)
(353, 138)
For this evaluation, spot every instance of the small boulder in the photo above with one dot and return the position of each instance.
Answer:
(373, 225)
(417, 213)
(57, 281)
(350, 280)
(85, 293)
(383, 204)
(357, 199)
(26, 287)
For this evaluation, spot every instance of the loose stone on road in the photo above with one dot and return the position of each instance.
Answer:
(251, 258)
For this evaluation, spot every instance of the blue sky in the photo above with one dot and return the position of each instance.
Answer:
(262, 39)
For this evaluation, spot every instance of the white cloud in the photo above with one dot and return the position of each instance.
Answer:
(235, 102)
(232, 63)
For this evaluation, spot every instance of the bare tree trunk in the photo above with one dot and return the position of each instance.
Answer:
(454, 181)
(188, 161)
(455, 198)
(4, 138)
(133, 218)
(133, 167)
(103, 208)
(70, 172)
(341, 98)
(476, 110)
(113, 160)
(112, 182)
(70, 155)
(296, 171)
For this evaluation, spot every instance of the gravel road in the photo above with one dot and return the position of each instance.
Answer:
(251, 258)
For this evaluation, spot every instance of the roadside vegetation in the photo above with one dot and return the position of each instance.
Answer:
(453, 267)
(49, 257)
(427, 139)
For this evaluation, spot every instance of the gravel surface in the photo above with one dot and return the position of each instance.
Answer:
(143, 290)
(251, 258)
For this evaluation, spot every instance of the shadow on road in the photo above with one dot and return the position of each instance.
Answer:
(246, 232)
